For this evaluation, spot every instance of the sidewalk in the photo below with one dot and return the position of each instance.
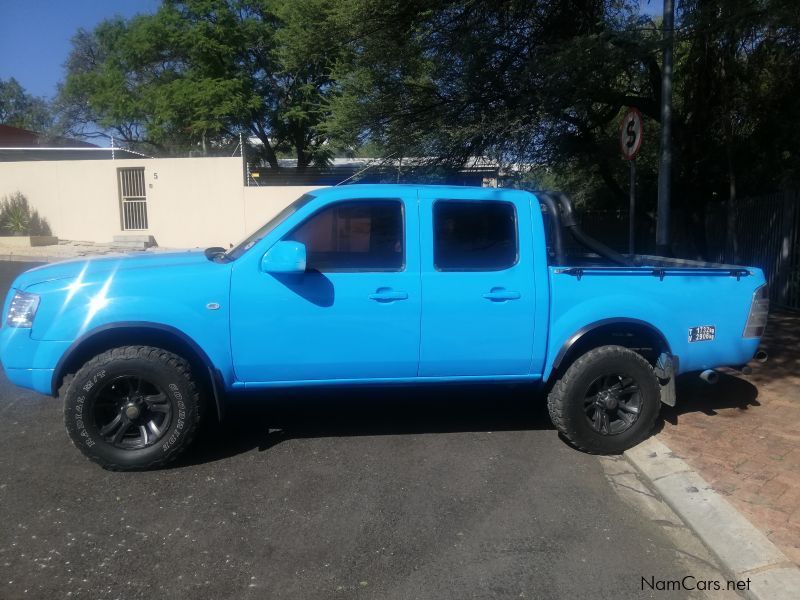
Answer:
(65, 250)
(743, 434)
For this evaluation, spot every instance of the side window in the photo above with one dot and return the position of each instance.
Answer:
(364, 235)
(474, 236)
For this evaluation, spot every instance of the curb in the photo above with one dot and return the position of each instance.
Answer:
(742, 550)
(22, 258)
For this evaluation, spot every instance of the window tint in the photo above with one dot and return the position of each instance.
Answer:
(474, 236)
(354, 236)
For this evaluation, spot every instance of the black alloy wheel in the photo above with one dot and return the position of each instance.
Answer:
(612, 403)
(131, 412)
(606, 401)
(132, 407)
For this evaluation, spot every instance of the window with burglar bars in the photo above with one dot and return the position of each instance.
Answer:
(133, 198)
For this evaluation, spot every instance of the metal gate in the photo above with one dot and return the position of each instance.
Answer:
(133, 198)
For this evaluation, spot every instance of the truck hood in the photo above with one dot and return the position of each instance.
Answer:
(89, 268)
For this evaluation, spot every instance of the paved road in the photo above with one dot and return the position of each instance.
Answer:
(414, 493)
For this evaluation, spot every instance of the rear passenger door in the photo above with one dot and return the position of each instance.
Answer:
(477, 283)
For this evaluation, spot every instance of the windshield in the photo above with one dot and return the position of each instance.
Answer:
(252, 239)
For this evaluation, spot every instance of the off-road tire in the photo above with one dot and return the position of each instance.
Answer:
(566, 399)
(172, 374)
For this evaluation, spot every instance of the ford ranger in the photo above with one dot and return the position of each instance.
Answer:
(376, 284)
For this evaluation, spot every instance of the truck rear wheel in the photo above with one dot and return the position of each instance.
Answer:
(131, 408)
(607, 401)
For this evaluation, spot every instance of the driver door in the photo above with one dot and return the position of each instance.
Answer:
(353, 315)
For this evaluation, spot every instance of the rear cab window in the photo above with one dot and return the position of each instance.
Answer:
(474, 235)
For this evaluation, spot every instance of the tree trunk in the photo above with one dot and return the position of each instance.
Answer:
(266, 152)
(731, 243)
(303, 156)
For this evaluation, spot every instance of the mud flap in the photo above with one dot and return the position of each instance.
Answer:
(665, 371)
(215, 379)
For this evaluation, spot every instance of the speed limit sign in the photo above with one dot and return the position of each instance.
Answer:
(630, 134)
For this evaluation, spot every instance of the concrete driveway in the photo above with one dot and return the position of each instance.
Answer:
(407, 493)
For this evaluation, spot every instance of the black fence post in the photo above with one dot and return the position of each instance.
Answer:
(245, 174)
(787, 252)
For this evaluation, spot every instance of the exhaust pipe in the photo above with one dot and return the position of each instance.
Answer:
(761, 356)
(710, 376)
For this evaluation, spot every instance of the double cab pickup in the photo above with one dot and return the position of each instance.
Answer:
(379, 285)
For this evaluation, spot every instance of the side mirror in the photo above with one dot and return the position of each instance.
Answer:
(285, 257)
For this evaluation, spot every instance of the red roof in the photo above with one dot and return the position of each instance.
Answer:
(16, 137)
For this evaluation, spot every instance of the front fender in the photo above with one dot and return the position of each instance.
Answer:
(68, 313)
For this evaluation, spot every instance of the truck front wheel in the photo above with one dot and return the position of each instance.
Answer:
(134, 407)
(607, 401)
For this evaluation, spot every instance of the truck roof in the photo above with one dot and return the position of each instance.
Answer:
(366, 188)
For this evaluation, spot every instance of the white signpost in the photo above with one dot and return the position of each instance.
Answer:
(630, 141)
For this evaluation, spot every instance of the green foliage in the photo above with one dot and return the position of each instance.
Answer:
(538, 83)
(17, 218)
(198, 72)
(520, 81)
(737, 84)
(20, 109)
(544, 83)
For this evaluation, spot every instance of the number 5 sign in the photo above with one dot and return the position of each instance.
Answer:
(630, 134)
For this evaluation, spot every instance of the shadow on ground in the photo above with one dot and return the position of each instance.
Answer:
(782, 342)
(735, 391)
(265, 420)
(694, 395)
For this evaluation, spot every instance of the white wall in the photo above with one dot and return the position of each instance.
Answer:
(190, 201)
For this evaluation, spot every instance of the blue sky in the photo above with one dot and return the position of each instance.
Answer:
(35, 34)
(653, 7)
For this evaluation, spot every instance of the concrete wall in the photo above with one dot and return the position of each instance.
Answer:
(190, 201)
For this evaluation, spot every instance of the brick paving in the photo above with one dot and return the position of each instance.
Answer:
(743, 434)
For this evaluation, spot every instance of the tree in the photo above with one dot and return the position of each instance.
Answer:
(543, 83)
(20, 109)
(197, 73)
(532, 82)
(529, 81)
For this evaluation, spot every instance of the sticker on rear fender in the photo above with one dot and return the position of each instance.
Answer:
(704, 333)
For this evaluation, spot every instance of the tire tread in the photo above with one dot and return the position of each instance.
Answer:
(149, 353)
(558, 397)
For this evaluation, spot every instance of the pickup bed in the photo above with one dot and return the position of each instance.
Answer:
(375, 284)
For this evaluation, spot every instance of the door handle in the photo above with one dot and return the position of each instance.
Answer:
(388, 295)
(501, 295)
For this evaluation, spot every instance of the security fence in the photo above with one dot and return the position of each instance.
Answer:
(766, 235)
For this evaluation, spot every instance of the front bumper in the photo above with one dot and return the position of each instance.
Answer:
(39, 380)
(27, 362)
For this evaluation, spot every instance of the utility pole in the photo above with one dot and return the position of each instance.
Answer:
(665, 162)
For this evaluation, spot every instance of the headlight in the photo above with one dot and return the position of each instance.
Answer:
(22, 309)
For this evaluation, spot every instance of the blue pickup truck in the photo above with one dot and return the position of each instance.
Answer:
(376, 284)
